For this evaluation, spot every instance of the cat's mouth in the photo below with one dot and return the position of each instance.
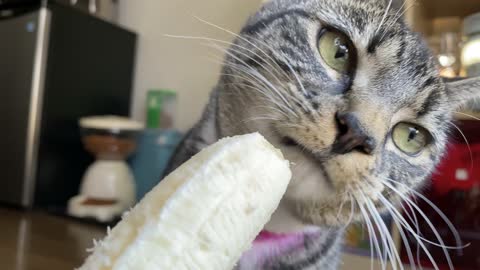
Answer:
(329, 187)
(318, 157)
(319, 154)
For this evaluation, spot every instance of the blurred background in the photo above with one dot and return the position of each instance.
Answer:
(96, 94)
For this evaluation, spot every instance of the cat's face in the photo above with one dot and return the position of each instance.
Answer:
(350, 95)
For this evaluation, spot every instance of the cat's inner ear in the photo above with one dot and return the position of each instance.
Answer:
(461, 91)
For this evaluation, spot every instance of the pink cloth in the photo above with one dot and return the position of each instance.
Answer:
(268, 246)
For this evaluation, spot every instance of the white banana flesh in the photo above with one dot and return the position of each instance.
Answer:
(202, 216)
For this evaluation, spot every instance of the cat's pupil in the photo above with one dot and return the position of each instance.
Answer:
(412, 134)
(342, 49)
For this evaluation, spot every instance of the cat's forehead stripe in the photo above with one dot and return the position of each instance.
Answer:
(265, 22)
(429, 104)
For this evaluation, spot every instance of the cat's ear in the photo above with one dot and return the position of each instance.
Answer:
(460, 91)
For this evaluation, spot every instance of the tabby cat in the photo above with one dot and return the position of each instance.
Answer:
(353, 99)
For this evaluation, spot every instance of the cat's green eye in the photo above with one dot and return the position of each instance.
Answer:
(410, 138)
(336, 50)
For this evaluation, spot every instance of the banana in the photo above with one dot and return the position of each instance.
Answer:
(204, 215)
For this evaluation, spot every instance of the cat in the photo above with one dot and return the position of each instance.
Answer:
(353, 99)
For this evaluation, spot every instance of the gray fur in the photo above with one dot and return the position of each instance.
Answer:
(275, 82)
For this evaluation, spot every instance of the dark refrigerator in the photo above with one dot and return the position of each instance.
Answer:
(57, 64)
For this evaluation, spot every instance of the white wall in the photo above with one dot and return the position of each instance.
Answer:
(178, 64)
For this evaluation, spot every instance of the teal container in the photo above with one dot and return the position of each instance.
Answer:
(155, 147)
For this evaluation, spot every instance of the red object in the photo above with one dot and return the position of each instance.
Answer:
(459, 170)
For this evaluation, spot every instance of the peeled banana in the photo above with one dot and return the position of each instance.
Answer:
(202, 216)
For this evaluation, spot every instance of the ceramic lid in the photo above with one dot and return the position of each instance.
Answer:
(110, 122)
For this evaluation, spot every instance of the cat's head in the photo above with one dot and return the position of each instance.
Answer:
(349, 93)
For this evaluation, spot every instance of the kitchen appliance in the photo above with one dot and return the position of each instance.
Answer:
(58, 64)
(108, 185)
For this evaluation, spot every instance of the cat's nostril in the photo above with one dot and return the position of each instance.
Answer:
(341, 124)
(288, 141)
(351, 136)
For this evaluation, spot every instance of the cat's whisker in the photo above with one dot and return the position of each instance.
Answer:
(414, 2)
(373, 239)
(397, 216)
(397, 13)
(405, 240)
(272, 88)
(372, 235)
(372, 244)
(302, 88)
(410, 213)
(230, 44)
(266, 96)
(272, 109)
(247, 72)
(384, 16)
(233, 45)
(340, 209)
(389, 207)
(260, 118)
(385, 234)
(466, 141)
(289, 125)
(296, 77)
(352, 210)
(352, 207)
(430, 224)
(262, 89)
(255, 73)
(217, 60)
(406, 244)
(398, 17)
(400, 222)
(286, 61)
(468, 115)
(411, 203)
(301, 103)
(447, 221)
(417, 226)
(245, 39)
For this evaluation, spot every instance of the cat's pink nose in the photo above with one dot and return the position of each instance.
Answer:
(352, 136)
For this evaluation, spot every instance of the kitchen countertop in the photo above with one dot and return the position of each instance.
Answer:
(38, 241)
